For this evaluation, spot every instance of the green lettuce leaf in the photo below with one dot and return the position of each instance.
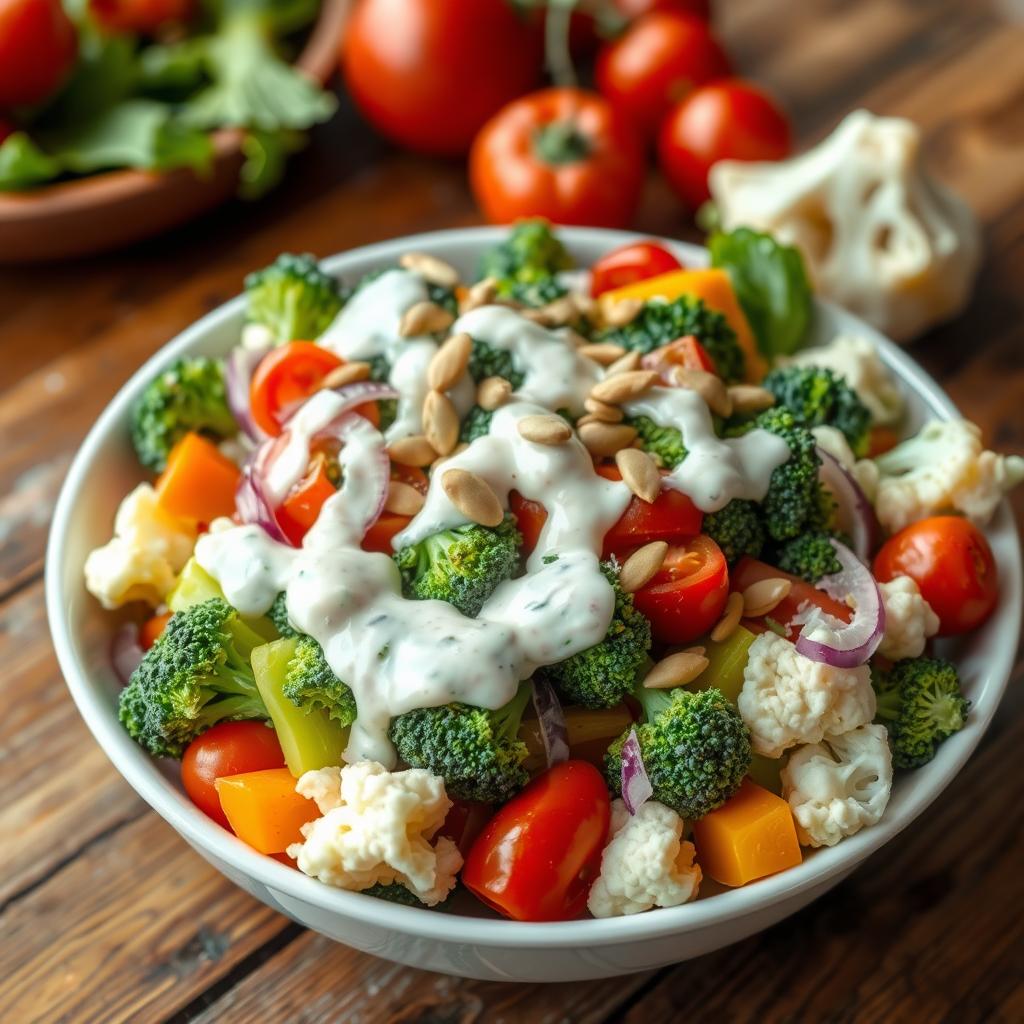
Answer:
(23, 164)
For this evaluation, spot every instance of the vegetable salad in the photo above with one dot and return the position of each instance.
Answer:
(570, 587)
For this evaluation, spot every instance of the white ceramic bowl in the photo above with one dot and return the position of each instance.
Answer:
(468, 942)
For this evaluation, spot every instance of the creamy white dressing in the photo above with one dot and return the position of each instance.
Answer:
(555, 374)
(291, 458)
(715, 470)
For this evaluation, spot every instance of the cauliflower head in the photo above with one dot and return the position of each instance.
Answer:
(788, 699)
(646, 863)
(864, 471)
(909, 619)
(838, 786)
(857, 361)
(943, 468)
(143, 558)
(376, 826)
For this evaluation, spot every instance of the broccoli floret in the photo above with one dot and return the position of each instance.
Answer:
(488, 361)
(664, 443)
(293, 297)
(188, 396)
(311, 683)
(736, 529)
(817, 397)
(695, 748)
(526, 262)
(809, 556)
(395, 892)
(196, 675)
(461, 566)
(602, 675)
(796, 500)
(278, 615)
(477, 423)
(920, 703)
(477, 752)
(661, 322)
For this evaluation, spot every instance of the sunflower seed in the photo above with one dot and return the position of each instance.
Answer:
(493, 392)
(623, 386)
(707, 385)
(403, 499)
(618, 314)
(761, 597)
(606, 438)
(424, 318)
(449, 362)
(551, 430)
(629, 362)
(639, 473)
(348, 373)
(675, 670)
(430, 268)
(641, 566)
(412, 451)
(746, 398)
(440, 422)
(730, 619)
(603, 352)
(480, 294)
(472, 496)
(603, 411)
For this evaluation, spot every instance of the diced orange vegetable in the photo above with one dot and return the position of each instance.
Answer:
(199, 482)
(152, 628)
(750, 836)
(264, 810)
(881, 440)
(301, 509)
(715, 288)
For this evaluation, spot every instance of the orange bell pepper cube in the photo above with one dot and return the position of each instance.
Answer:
(199, 482)
(264, 810)
(750, 836)
(152, 629)
(715, 288)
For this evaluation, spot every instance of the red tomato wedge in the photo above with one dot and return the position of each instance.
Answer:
(300, 510)
(687, 352)
(671, 517)
(630, 263)
(530, 517)
(685, 598)
(749, 570)
(538, 856)
(379, 536)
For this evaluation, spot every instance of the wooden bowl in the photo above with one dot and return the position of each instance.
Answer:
(110, 209)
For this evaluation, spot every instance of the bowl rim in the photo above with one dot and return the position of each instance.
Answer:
(141, 772)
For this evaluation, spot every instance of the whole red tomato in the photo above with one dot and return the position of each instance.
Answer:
(538, 856)
(144, 16)
(730, 120)
(428, 74)
(636, 261)
(229, 748)
(589, 24)
(952, 564)
(563, 154)
(657, 61)
(38, 46)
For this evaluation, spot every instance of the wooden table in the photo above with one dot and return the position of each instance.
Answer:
(105, 915)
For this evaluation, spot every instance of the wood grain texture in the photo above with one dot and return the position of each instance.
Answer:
(106, 915)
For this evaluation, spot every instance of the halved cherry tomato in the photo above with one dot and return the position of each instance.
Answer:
(143, 16)
(464, 822)
(686, 596)
(630, 263)
(38, 44)
(300, 510)
(659, 59)
(729, 120)
(152, 628)
(672, 517)
(563, 154)
(953, 566)
(530, 518)
(286, 376)
(538, 856)
(687, 352)
(229, 748)
(881, 440)
(749, 570)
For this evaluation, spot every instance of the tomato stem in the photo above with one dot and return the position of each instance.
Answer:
(556, 42)
(560, 142)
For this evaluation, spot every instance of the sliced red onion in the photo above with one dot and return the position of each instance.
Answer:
(239, 367)
(252, 502)
(856, 514)
(125, 651)
(636, 786)
(845, 645)
(351, 395)
(551, 721)
(364, 466)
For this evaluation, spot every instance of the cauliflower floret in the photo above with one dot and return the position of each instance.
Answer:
(788, 699)
(857, 361)
(864, 471)
(943, 468)
(909, 619)
(376, 827)
(645, 864)
(148, 550)
(838, 786)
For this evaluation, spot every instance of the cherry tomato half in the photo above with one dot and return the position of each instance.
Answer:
(144, 16)
(286, 376)
(538, 856)
(686, 596)
(671, 517)
(634, 262)
(657, 61)
(687, 352)
(953, 566)
(229, 748)
(38, 45)
(729, 120)
(749, 570)
(530, 518)
(562, 154)
(301, 508)
(428, 74)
